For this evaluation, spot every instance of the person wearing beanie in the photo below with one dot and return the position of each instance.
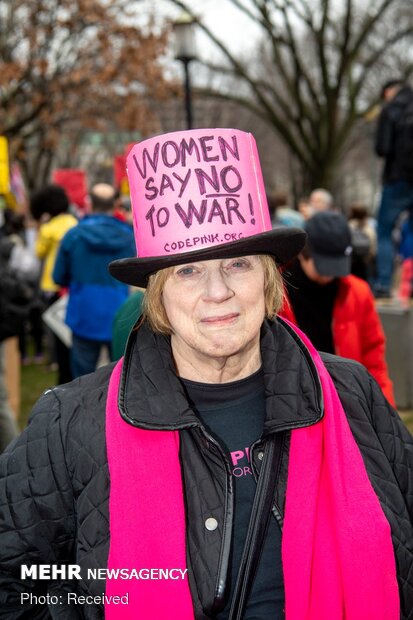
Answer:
(334, 308)
(222, 468)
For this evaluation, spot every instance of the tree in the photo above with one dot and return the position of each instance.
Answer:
(83, 62)
(317, 70)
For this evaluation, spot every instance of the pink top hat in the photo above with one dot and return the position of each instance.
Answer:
(198, 195)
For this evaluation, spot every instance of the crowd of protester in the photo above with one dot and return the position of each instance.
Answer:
(37, 270)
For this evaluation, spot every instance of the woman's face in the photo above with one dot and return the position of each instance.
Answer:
(216, 307)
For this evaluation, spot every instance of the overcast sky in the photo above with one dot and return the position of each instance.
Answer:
(228, 23)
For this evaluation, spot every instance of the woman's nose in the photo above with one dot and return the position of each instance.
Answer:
(217, 288)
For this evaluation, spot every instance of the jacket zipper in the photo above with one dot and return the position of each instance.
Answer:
(221, 581)
(277, 514)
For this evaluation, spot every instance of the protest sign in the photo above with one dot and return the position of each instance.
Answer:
(119, 170)
(4, 166)
(55, 316)
(74, 181)
(197, 191)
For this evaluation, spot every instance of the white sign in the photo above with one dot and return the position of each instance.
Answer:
(54, 317)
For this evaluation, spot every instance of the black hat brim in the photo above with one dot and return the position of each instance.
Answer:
(281, 243)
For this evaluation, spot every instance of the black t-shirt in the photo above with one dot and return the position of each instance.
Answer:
(234, 414)
(313, 306)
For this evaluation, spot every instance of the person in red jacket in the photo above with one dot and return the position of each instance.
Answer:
(336, 310)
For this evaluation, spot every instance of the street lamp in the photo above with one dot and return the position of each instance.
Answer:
(185, 51)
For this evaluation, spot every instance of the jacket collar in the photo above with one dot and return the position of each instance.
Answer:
(151, 396)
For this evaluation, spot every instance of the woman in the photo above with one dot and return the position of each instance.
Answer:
(213, 472)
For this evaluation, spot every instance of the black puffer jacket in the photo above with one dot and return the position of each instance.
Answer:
(391, 136)
(55, 483)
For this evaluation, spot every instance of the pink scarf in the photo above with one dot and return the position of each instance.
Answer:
(146, 517)
(337, 552)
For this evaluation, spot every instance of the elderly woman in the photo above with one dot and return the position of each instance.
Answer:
(223, 468)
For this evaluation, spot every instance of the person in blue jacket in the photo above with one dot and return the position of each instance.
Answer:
(81, 265)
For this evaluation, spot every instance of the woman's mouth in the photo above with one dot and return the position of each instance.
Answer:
(223, 319)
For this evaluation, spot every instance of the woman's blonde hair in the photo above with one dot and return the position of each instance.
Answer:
(153, 310)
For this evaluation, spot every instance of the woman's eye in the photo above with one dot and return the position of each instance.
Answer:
(238, 264)
(185, 271)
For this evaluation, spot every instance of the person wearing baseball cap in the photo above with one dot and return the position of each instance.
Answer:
(334, 308)
(329, 241)
(213, 472)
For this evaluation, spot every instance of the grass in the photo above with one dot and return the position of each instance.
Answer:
(407, 417)
(35, 379)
